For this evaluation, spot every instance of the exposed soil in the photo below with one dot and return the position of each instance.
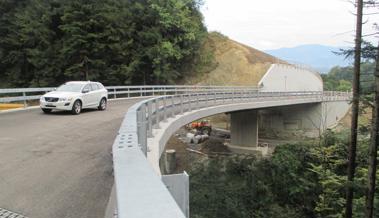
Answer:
(214, 145)
(183, 156)
(236, 64)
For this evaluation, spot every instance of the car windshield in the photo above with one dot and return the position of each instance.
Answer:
(70, 87)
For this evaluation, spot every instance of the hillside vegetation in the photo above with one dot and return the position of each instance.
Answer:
(117, 42)
(340, 78)
(227, 62)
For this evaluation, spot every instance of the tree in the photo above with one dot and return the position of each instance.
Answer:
(96, 40)
(373, 146)
(355, 109)
(47, 42)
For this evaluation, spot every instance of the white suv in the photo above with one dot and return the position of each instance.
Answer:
(74, 96)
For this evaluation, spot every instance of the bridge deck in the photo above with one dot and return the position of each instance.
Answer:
(58, 165)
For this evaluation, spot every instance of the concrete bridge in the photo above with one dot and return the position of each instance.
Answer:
(64, 161)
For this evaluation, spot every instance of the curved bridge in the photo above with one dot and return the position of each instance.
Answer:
(147, 126)
(59, 166)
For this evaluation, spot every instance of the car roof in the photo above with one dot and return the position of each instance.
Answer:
(81, 82)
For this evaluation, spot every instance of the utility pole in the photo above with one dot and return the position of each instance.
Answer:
(354, 119)
(373, 146)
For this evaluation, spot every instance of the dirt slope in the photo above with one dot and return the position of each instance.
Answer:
(232, 63)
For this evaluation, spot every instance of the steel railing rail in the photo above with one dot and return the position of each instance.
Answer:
(139, 190)
(27, 94)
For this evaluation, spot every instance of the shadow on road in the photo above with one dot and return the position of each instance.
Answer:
(68, 113)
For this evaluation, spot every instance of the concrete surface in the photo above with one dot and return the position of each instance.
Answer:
(244, 128)
(303, 120)
(58, 165)
(178, 185)
(284, 77)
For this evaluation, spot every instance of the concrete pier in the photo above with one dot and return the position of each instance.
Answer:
(244, 130)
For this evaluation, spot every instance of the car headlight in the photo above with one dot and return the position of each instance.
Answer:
(65, 99)
(41, 98)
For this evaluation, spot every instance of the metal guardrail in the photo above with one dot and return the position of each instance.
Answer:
(26, 94)
(139, 190)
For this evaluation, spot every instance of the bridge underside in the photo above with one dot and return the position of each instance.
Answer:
(294, 121)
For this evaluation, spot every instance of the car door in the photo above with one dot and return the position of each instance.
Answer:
(86, 95)
(96, 93)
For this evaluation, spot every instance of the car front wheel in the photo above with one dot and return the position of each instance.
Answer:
(46, 111)
(103, 104)
(76, 107)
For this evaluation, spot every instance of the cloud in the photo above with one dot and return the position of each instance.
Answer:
(272, 24)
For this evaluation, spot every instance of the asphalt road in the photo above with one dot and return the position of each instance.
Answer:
(58, 165)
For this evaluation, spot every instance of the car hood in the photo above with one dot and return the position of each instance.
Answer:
(57, 94)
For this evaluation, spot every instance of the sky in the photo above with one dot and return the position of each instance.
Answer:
(272, 24)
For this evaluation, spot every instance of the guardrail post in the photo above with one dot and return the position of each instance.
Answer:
(149, 119)
(197, 101)
(207, 98)
(128, 92)
(24, 95)
(189, 102)
(181, 104)
(153, 91)
(114, 93)
(141, 91)
(142, 134)
(172, 106)
(157, 113)
(164, 110)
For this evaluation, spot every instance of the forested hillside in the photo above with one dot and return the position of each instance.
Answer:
(47, 42)
(340, 78)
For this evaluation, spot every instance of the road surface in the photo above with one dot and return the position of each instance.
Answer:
(58, 165)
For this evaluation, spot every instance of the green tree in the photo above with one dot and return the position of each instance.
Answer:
(96, 40)
(46, 42)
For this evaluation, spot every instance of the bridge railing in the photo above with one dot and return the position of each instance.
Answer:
(26, 94)
(139, 191)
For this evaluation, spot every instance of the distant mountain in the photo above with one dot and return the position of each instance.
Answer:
(319, 57)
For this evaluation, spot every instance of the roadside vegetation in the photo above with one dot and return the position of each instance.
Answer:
(118, 42)
(300, 180)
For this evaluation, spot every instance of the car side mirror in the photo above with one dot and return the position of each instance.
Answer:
(85, 91)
